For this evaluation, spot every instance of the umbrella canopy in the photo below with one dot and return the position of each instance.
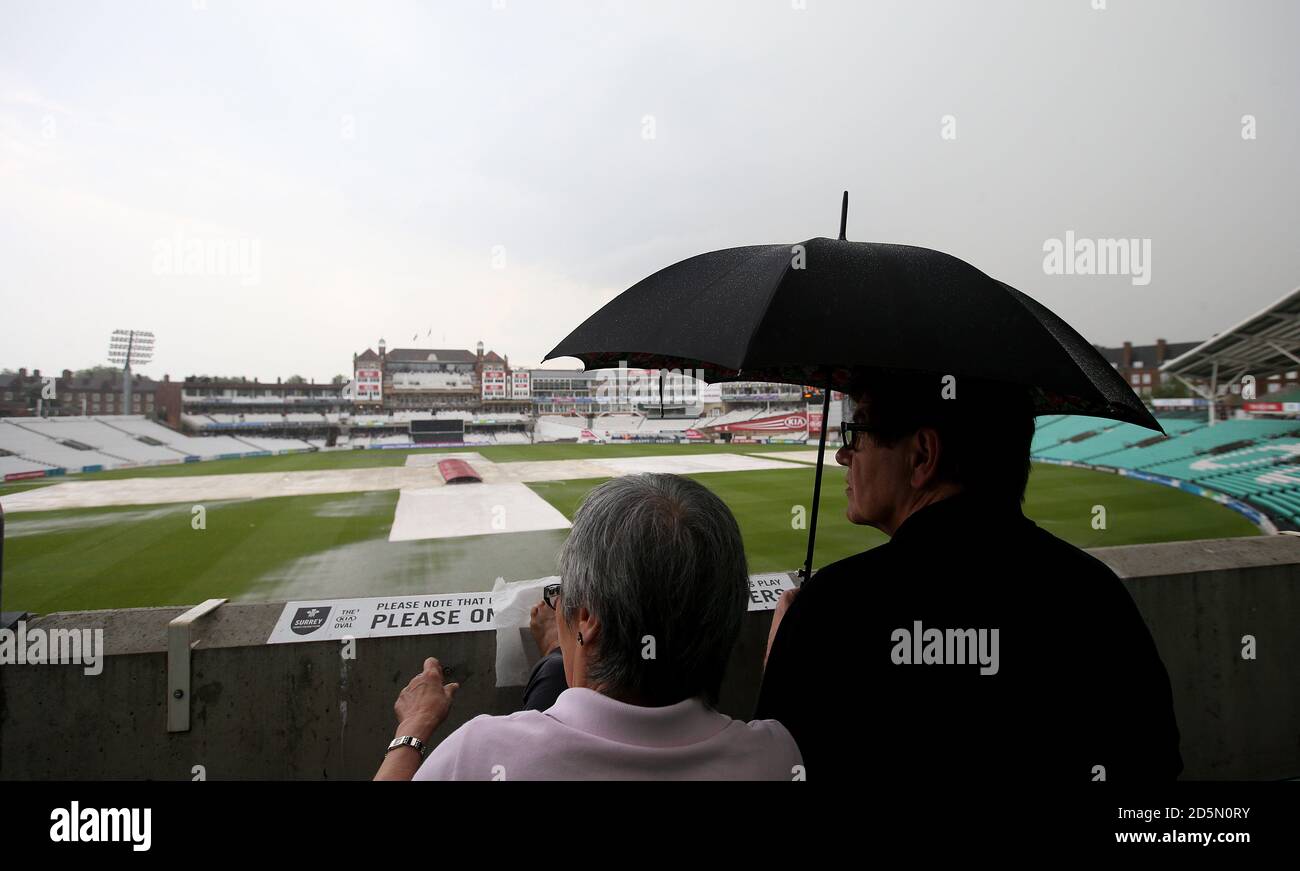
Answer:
(794, 313)
(816, 311)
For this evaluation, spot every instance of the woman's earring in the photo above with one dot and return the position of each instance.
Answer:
(579, 639)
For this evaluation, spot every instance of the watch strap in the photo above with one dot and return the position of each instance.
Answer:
(406, 741)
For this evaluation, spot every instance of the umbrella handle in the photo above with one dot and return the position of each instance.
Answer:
(817, 482)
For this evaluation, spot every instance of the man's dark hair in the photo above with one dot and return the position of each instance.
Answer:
(985, 428)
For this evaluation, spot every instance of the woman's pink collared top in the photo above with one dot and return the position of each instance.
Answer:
(589, 736)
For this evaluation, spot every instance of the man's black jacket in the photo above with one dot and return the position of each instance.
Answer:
(1079, 683)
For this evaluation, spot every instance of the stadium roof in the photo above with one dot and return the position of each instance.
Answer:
(561, 373)
(1263, 344)
(195, 381)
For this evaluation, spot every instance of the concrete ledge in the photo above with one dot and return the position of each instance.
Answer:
(1207, 555)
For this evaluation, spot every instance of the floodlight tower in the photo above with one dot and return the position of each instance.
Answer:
(126, 347)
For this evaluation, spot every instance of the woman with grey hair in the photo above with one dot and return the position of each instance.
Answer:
(653, 591)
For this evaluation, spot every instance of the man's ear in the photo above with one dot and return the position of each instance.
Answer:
(925, 457)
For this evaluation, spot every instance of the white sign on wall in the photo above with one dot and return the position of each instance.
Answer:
(334, 619)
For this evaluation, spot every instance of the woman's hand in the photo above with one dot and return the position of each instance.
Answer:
(425, 703)
(420, 710)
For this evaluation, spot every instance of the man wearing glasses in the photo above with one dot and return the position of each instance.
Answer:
(972, 644)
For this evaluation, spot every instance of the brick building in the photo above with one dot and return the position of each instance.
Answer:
(1139, 365)
(22, 395)
(432, 379)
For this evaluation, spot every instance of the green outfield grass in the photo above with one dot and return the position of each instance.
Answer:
(20, 486)
(300, 547)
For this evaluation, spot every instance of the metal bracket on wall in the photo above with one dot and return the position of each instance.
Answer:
(179, 645)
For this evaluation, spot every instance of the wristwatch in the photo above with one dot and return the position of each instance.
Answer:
(406, 741)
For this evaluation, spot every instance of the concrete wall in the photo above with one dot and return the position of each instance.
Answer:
(1239, 719)
(301, 711)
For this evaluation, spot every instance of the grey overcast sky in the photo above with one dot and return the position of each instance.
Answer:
(498, 169)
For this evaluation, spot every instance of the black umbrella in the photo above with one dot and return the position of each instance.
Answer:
(813, 312)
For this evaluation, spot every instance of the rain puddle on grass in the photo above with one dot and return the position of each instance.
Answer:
(382, 568)
(355, 505)
(18, 526)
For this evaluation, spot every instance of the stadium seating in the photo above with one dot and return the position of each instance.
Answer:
(371, 420)
(737, 417)
(39, 443)
(616, 424)
(1050, 431)
(33, 444)
(550, 428)
(1259, 455)
(396, 439)
(17, 465)
(709, 420)
(667, 426)
(121, 446)
(265, 443)
(1201, 439)
(1258, 466)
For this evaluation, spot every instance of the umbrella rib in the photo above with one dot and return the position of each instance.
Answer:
(753, 334)
(1059, 329)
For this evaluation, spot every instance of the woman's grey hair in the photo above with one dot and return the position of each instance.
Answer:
(658, 559)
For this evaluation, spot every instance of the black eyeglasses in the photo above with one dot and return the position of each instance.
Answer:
(849, 432)
(549, 594)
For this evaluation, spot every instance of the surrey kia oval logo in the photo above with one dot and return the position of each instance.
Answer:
(308, 620)
(796, 422)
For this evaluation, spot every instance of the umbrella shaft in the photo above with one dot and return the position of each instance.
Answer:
(817, 481)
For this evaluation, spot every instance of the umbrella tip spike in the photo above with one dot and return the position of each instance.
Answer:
(844, 216)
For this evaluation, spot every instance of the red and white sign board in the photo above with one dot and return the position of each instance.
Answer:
(494, 384)
(520, 386)
(778, 423)
(367, 385)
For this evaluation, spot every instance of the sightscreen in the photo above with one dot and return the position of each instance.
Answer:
(426, 431)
